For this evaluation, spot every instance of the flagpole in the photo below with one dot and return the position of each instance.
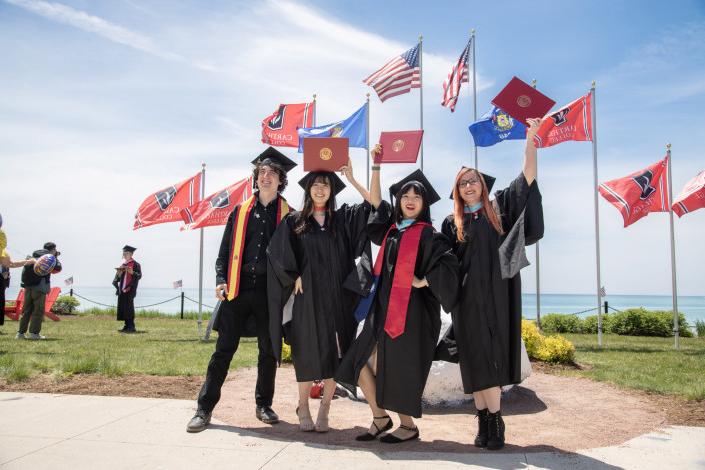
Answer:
(538, 263)
(474, 89)
(200, 262)
(367, 123)
(421, 91)
(597, 214)
(314, 110)
(674, 288)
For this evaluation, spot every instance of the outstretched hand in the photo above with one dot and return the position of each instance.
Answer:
(347, 170)
(534, 124)
(377, 154)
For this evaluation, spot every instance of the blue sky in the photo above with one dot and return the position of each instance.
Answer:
(106, 102)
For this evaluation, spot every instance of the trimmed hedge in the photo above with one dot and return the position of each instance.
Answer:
(630, 322)
(554, 349)
(65, 304)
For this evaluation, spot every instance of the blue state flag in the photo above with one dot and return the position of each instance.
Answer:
(354, 128)
(496, 126)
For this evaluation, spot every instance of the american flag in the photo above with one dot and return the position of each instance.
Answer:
(457, 76)
(398, 76)
(178, 284)
(68, 281)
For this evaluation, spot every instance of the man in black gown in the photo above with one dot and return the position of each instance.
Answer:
(126, 280)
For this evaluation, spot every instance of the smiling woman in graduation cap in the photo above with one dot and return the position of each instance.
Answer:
(311, 253)
(415, 274)
(489, 239)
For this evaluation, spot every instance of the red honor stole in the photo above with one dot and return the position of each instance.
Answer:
(238, 240)
(127, 279)
(403, 276)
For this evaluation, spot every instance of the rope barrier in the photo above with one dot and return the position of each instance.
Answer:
(115, 306)
(196, 301)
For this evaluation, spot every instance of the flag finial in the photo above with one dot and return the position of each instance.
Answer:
(368, 96)
(593, 84)
(472, 32)
(668, 147)
(420, 37)
(203, 165)
(314, 97)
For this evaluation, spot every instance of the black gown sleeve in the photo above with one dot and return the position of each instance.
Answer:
(221, 262)
(354, 218)
(441, 271)
(379, 222)
(448, 229)
(511, 201)
(282, 272)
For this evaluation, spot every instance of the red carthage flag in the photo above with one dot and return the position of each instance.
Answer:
(571, 122)
(279, 129)
(165, 205)
(639, 193)
(215, 209)
(692, 197)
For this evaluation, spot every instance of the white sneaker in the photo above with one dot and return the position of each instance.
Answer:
(36, 336)
(20, 336)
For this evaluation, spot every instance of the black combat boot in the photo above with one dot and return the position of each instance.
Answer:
(482, 423)
(495, 431)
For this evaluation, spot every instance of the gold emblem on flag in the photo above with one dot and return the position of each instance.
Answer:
(336, 131)
(326, 153)
(524, 101)
(398, 145)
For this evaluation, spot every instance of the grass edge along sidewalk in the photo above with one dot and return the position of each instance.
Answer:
(168, 346)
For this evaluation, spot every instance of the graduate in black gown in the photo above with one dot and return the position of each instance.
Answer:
(392, 356)
(490, 248)
(311, 254)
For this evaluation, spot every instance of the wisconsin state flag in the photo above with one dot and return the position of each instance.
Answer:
(215, 209)
(165, 205)
(279, 129)
(571, 122)
(692, 197)
(639, 193)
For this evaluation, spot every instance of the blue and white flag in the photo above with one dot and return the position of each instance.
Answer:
(496, 126)
(354, 128)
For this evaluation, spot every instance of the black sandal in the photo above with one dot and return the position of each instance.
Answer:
(392, 439)
(371, 437)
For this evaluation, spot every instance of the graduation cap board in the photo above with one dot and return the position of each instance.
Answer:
(275, 156)
(431, 194)
(522, 101)
(401, 146)
(325, 153)
(337, 183)
(129, 248)
(489, 181)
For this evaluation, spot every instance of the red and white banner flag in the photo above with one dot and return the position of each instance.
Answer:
(215, 209)
(571, 122)
(692, 197)
(165, 206)
(639, 193)
(279, 129)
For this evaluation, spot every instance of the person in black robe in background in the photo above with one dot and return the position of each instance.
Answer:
(490, 248)
(312, 254)
(392, 368)
(126, 280)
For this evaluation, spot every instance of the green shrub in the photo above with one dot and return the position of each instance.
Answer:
(286, 353)
(65, 304)
(700, 328)
(561, 323)
(554, 349)
(590, 323)
(642, 322)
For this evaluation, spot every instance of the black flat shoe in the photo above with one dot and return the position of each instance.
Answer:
(392, 439)
(371, 437)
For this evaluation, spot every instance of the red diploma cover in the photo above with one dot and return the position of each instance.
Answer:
(325, 153)
(522, 101)
(400, 146)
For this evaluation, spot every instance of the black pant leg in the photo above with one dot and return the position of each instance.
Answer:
(230, 326)
(2, 300)
(266, 361)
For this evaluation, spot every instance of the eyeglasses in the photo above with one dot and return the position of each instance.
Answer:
(468, 182)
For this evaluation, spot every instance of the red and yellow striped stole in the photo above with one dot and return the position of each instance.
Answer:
(238, 240)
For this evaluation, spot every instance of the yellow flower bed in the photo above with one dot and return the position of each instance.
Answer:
(286, 353)
(555, 348)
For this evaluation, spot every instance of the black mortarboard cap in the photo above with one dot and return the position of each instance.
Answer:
(338, 184)
(489, 181)
(129, 248)
(277, 157)
(431, 194)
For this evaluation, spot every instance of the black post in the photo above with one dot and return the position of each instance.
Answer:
(71, 292)
(607, 306)
(182, 305)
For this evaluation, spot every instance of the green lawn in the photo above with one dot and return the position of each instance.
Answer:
(91, 344)
(644, 363)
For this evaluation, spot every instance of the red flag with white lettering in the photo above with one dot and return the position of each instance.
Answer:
(165, 206)
(216, 208)
(639, 193)
(571, 122)
(692, 197)
(279, 129)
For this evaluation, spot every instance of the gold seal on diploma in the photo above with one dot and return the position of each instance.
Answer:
(524, 101)
(398, 145)
(326, 153)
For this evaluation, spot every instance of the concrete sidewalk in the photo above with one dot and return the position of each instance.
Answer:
(87, 432)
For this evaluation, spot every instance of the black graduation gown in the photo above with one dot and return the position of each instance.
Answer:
(487, 318)
(126, 308)
(323, 323)
(403, 363)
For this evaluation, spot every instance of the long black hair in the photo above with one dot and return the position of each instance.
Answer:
(302, 220)
(418, 188)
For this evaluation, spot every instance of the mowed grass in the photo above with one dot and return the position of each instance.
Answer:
(90, 344)
(643, 363)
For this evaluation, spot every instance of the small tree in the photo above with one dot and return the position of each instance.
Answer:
(65, 304)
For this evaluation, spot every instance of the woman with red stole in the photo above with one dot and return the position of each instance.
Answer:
(311, 254)
(414, 274)
(489, 239)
